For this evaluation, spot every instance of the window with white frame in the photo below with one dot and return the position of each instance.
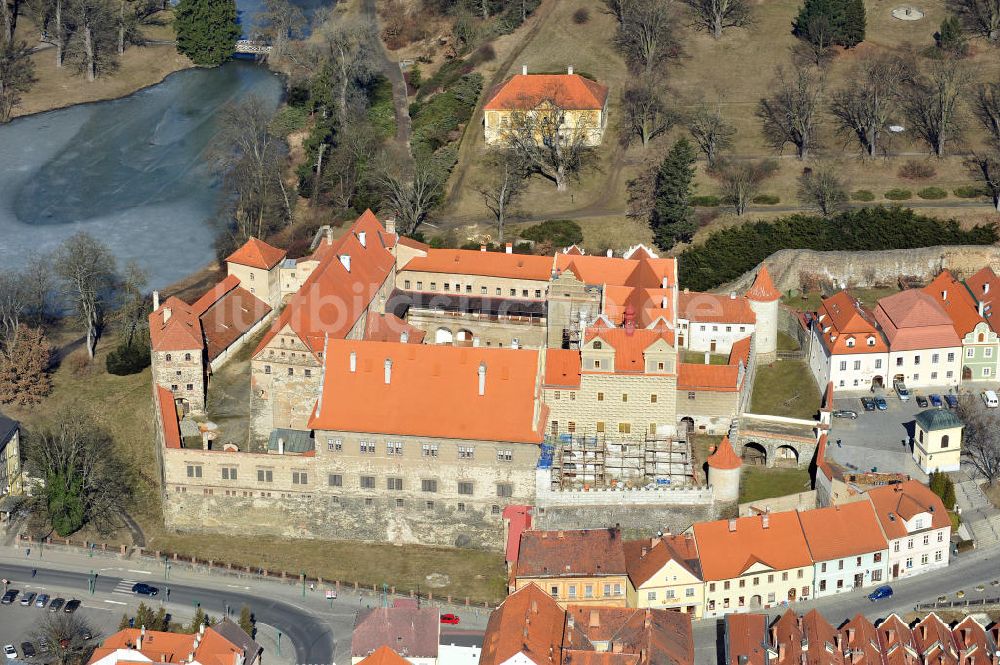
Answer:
(466, 452)
(393, 447)
(429, 450)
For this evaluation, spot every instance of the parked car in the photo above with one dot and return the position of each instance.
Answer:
(28, 598)
(57, 604)
(10, 651)
(143, 589)
(990, 398)
(936, 401)
(71, 606)
(921, 401)
(8, 597)
(901, 390)
(42, 600)
(881, 404)
(27, 649)
(868, 403)
(951, 401)
(451, 619)
(884, 591)
(845, 413)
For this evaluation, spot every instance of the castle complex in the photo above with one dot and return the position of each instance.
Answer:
(406, 393)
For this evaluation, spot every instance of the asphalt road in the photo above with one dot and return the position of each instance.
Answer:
(312, 637)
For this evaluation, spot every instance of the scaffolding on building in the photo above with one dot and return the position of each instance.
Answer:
(598, 461)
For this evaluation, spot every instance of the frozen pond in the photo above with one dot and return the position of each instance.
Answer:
(129, 171)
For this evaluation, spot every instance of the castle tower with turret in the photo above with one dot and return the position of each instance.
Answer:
(724, 472)
(764, 298)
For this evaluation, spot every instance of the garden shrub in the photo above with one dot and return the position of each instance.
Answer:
(897, 194)
(559, 232)
(862, 195)
(766, 199)
(970, 191)
(581, 16)
(125, 360)
(932, 193)
(705, 201)
(916, 170)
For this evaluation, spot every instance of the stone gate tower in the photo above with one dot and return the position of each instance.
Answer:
(724, 472)
(764, 298)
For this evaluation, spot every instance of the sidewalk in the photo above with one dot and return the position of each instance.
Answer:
(978, 514)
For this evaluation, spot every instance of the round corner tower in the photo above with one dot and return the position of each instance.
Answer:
(724, 472)
(764, 298)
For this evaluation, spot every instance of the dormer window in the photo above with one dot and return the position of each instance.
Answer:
(871, 341)
(597, 345)
(850, 341)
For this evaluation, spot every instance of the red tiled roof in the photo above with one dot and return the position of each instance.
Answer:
(229, 318)
(934, 641)
(822, 640)
(716, 378)
(384, 656)
(163, 647)
(740, 351)
(787, 632)
(413, 632)
(645, 558)
(896, 639)
(177, 332)
(519, 521)
(489, 264)
(903, 501)
(567, 91)
(210, 297)
(724, 456)
(956, 301)
(710, 307)
(860, 639)
(842, 319)
(257, 254)
(984, 286)
(168, 410)
(528, 622)
(727, 554)
(630, 344)
(649, 637)
(913, 320)
(571, 553)
(562, 368)
(972, 642)
(746, 635)
(841, 531)
(390, 328)
(433, 391)
(763, 289)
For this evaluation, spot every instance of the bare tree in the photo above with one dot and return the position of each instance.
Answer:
(714, 16)
(864, 107)
(741, 181)
(70, 637)
(931, 102)
(40, 285)
(815, 45)
(350, 163)
(617, 9)
(792, 113)
(980, 16)
(24, 367)
(17, 74)
(987, 109)
(347, 49)
(503, 185)
(547, 143)
(647, 34)
(986, 167)
(411, 197)
(710, 131)
(645, 111)
(821, 189)
(131, 315)
(93, 38)
(8, 20)
(279, 23)
(86, 269)
(13, 303)
(132, 16)
(980, 445)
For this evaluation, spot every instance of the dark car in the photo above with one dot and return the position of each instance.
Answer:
(881, 404)
(868, 403)
(451, 619)
(143, 589)
(28, 649)
(921, 401)
(881, 592)
(56, 604)
(845, 413)
(71, 606)
(951, 401)
(8, 597)
(43, 600)
(936, 401)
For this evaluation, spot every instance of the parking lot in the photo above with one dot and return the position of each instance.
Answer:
(19, 624)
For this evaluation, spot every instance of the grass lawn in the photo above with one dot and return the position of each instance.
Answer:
(698, 358)
(762, 483)
(785, 388)
(787, 343)
(810, 302)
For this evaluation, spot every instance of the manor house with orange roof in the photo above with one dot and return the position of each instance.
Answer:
(401, 392)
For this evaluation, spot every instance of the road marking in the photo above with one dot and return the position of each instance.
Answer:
(237, 586)
(144, 572)
(115, 602)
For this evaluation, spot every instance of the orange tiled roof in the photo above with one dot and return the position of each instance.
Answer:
(716, 378)
(571, 553)
(158, 646)
(433, 391)
(227, 319)
(822, 639)
(913, 320)
(173, 327)
(896, 640)
(934, 641)
(384, 656)
(842, 319)
(746, 636)
(972, 642)
(724, 456)
(787, 632)
(645, 558)
(562, 368)
(390, 328)
(841, 531)
(257, 254)
(488, 264)
(956, 301)
(727, 554)
(568, 91)
(740, 351)
(895, 504)
(984, 287)
(171, 428)
(711, 308)
(860, 639)
(629, 344)
(641, 636)
(763, 289)
(528, 622)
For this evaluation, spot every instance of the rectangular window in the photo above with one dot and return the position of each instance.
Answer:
(406, 284)
(335, 480)
(538, 293)
(505, 455)
(988, 352)
(857, 365)
(600, 427)
(420, 286)
(291, 371)
(429, 505)
(428, 485)
(554, 427)
(951, 357)
(877, 557)
(505, 490)
(935, 357)
(822, 585)
(465, 487)
(923, 559)
(624, 397)
(367, 482)
(843, 365)
(267, 369)
(367, 447)
(571, 427)
(498, 291)
(987, 371)
(466, 452)
(429, 450)
(624, 428)
(670, 594)
(335, 445)
(650, 595)
(899, 362)
(308, 372)
(588, 591)
(572, 590)
(393, 448)
(784, 576)
(878, 363)
(434, 286)
(689, 592)
(691, 395)
(394, 484)
(876, 575)
(460, 507)
(916, 360)
(400, 503)
(482, 290)
(970, 352)
(937, 555)
(600, 397)
(265, 476)
(300, 478)
(229, 473)
(194, 471)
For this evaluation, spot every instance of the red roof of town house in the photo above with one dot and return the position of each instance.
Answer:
(957, 302)
(973, 643)
(841, 531)
(645, 558)
(391, 328)
(845, 326)
(571, 553)
(763, 289)
(934, 641)
(524, 92)
(562, 368)
(860, 640)
(725, 553)
(432, 391)
(984, 287)
(629, 344)
(257, 254)
(489, 264)
(746, 639)
(724, 456)
(228, 318)
(897, 503)
(711, 307)
(220, 644)
(640, 636)
(528, 622)
(715, 378)
(333, 298)
(383, 656)
(168, 410)
(787, 639)
(518, 521)
(896, 640)
(913, 320)
(822, 639)
(173, 327)
(413, 632)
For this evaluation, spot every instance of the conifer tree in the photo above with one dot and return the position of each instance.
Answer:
(206, 30)
(673, 218)
(846, 20)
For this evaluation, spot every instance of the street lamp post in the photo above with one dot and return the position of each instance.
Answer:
(279, 642)
(303, 584)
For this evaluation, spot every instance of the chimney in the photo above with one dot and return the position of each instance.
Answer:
(569, 70)
(562, 534)
(156, 302)
(346, 260)
(524, 70)
(570, 621)
(595, 619)
(708, 356)
(482, 247)
(509, 248)
(664, 284)
(664, 302)
(732, 295)
(890, 635)
(482, 388)
(610, 253)
(765, 520)
(390, 226)
(850, 635)
(616, 647)
(281, 446)
(363, 238)
(190, 657)
(388, 370)
(981, 306)
(404, 337)
(732, 525)
(944, 294)
(781, 652)
(138, 642)
(986, 287)
(329, 235)
(643, 552)
(354, 362)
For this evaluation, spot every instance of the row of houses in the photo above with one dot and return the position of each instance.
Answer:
(748, 563)
(932, 337)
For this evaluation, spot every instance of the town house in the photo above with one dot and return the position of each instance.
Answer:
(665, 573)
(847, 547)
(916, 526)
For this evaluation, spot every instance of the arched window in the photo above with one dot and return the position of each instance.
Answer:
(597, 345)
(850, 341)
(187, 356)
(871, 341)
(982, 337)
(167, 357)
(944, 441)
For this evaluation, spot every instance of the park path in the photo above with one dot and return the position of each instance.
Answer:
(392, 71)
